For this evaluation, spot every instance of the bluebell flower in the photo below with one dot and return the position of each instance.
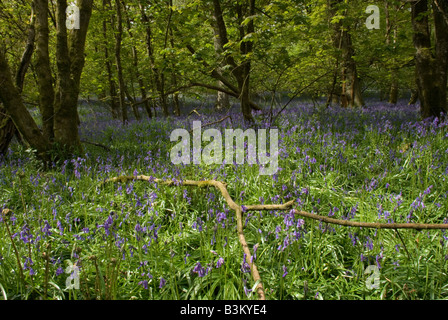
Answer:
(46, 229)
(245, 267)
(285, 272)
(162, 283)
(144, 284)
(220, 262)
(199, 270)
(59, 271)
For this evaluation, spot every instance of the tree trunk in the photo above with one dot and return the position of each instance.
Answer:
(242, 71)
(43, 70)
(135, 63)
(121, 84)
(13, 104)
(7, 131)
(157, 77)
(114, 104)
(393, 90)
(222, 99)
(431, 68)
(29, 49)
(351, 95)
(7, 127)
(70, 62)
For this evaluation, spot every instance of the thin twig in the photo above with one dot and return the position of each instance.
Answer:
(215, 122)
(235, 207)
(97, 144)
(375, 225)
(222, 187)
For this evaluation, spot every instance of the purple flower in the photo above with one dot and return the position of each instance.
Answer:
(245, 267)
(220, 262)
(285, 272)
(199, 270)
(25, 234)
(46, 228)
(186, 256)
(377, 259)
(162, 283)
(59, 271)
(144, 284)
(368, 244)
(220, 216)
(108, 223)
(254, 256)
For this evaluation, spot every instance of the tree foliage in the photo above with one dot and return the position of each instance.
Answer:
(147, 54)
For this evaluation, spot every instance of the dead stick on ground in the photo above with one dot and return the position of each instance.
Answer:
(238, 212)
(215, 122)
(221, 186)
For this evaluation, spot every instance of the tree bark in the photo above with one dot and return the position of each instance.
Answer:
(28, 52)
(138, 75)
(43, 70)
(7, 128)
(351, 95)
(222, 99)
(14, 106)
(157, 77)
(114, 104)
(7, 131)
(392, 28)
(240, 72)
(70, 62)
(431, 67)
(121, 85)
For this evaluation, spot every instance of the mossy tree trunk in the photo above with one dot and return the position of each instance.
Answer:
(431, 66)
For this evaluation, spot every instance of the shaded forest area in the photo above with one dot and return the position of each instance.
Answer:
(144, 56)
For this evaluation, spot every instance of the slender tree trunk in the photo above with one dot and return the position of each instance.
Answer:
(121, 84)
(7, 127)
(70, 60)
(7, 131)
(29, 49)
(441, 50)
(246, 50)
(141, 83)
(222, 99)
(431, 68)
(351, 95)
(135, 63)
(157, 78)
(114, 104)
(392, 28)
(43, 70)
(13, 104)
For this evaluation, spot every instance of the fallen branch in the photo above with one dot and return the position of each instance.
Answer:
(375, 225)
(96, 144)
(237, 208)
(222, 187)
(215, 122)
